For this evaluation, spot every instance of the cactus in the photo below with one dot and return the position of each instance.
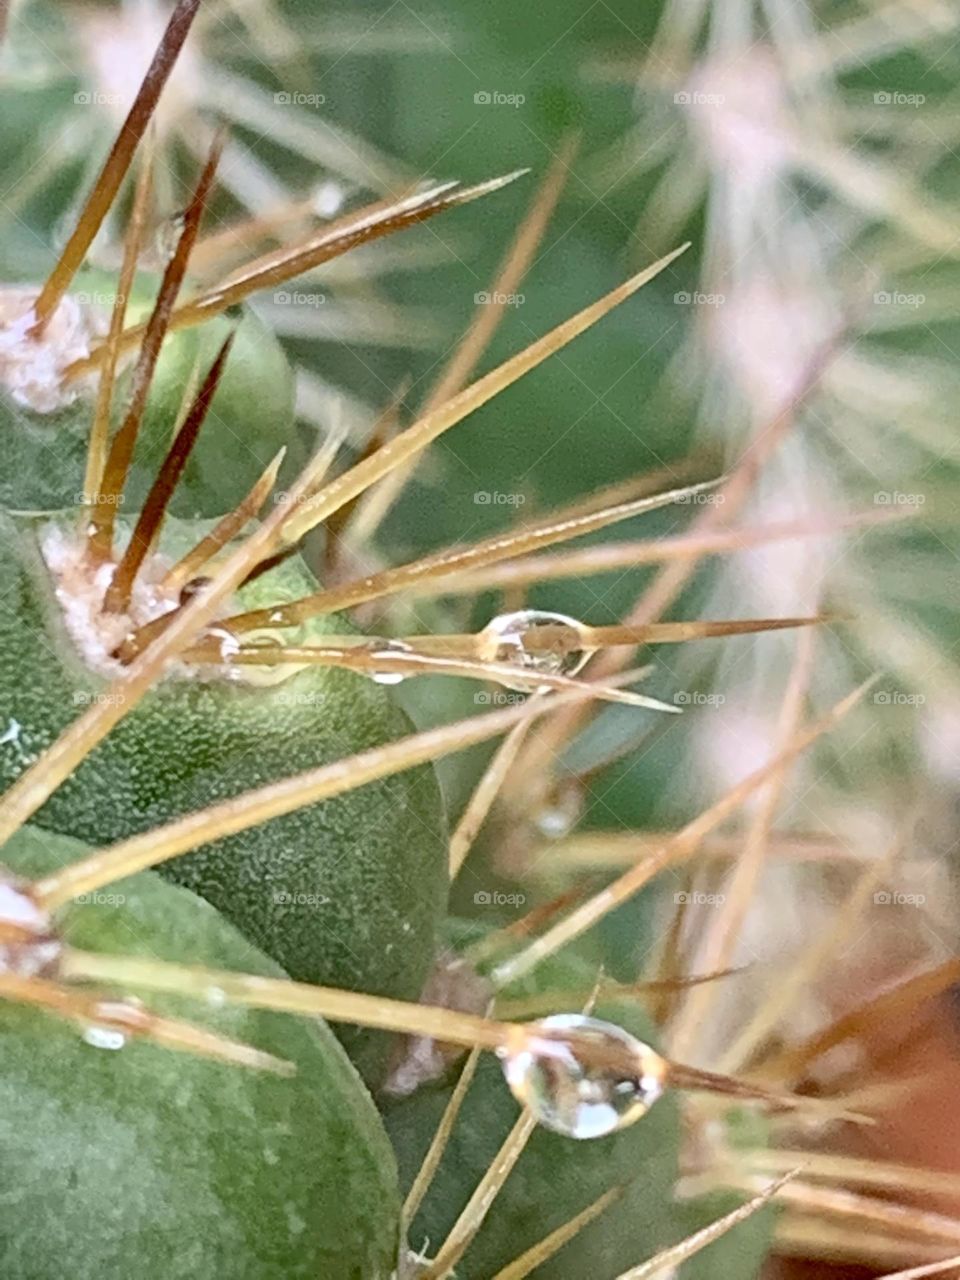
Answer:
(48, 449)
(223, 1169)
(223, 829)
(306, 888)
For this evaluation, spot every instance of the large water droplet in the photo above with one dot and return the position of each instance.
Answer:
(583, 1077)
(536, 641)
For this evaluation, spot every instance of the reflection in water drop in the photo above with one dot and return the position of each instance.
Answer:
(583, 1077)
(387, 647)
(535, 640)
(104, 1037)
(266, 674)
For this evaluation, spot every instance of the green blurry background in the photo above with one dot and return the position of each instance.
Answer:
(809, 152)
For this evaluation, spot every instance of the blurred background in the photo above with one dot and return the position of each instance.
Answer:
(810, 152)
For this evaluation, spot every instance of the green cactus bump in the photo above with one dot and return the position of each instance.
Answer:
(46, 416)
(347, 893)
(124, 1158)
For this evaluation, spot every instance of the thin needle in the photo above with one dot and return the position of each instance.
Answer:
(99, 432)
(675, 850)
(121, 449)
(117, 163)
(117, 598)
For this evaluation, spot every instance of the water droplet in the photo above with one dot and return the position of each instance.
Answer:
(535, 640)
(562, 810)
(389, 648)
(104, 1037)
(263, 675)
(227, 641)
(328, 199)
(168, 235)
(583, 1077)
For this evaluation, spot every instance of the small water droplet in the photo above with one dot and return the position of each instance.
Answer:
(227, 641)
(104, 1037)
(168, 235)
(328, 199)
(562, 810)
(387, 647)
(583, 1077)
(535, 640)
(266, 674)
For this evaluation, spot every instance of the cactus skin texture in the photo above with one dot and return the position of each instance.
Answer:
(152, 1163)
(346, 893)
(250, 418)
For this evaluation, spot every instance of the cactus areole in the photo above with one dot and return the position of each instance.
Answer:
(347, 892)
(47, 404)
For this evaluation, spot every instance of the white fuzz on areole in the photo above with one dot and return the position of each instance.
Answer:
(31, 368)
(81, 585)
(27, 944)
(19, 909)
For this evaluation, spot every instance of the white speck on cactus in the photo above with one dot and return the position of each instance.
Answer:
(31, 369)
